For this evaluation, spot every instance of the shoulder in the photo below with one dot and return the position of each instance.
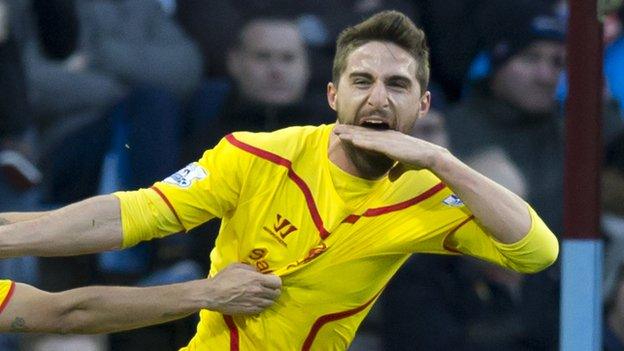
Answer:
(285, 143)
(420, 185)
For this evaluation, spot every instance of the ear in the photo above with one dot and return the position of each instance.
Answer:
(425, 104)
(332, 92)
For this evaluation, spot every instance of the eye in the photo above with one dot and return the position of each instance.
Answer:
(262, 56)
(398, 84)
(288, 57)
(531, 57)
(361, 82)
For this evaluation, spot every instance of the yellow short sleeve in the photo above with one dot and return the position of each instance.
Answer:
(145, 215)
(195, 194)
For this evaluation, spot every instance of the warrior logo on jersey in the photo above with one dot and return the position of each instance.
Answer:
(185, 177)
(453, 201)
(281, 229)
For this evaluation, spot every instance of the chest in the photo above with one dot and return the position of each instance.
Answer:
(291, 221)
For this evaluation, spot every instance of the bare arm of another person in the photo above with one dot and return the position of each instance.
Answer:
(237, 289)
(88, 226)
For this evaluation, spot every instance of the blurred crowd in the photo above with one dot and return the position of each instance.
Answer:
(105, 95)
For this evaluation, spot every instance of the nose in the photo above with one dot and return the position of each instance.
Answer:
(378, 96)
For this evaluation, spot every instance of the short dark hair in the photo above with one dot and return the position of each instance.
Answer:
(389, 26)
(237, 42)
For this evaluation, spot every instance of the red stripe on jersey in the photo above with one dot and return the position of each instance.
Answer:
(160, 193)
(8, 297)
(234, 343)
(351, 219)
(447, 247)
(321, 321)
(405, 204)
(371, 212)
(269, 156)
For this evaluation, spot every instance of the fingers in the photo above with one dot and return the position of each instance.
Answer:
(241, 289)
(362, 137)
(256, 307)
(268, 280)
(271, 294)
(271, 281)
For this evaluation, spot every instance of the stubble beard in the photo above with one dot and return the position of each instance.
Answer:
(369, 164)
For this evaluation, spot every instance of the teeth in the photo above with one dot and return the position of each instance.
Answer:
(377, 124)
(373, 121)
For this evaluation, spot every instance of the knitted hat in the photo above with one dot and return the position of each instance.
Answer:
(514, 25)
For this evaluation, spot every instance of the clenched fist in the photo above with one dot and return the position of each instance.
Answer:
(240, 289)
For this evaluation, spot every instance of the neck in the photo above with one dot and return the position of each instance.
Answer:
(357, 162)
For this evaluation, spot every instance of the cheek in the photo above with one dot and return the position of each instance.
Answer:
(295, 73)
(407, 112)
(345, 109)
(256, 71)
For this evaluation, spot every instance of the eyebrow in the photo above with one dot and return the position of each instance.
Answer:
(399, 78)
(358, 74)
(393, 78)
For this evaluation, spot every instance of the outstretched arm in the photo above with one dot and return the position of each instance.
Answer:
(238, 289)
(88, 226)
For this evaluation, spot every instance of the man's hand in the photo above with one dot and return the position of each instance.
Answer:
(410, 152)
(240, 289)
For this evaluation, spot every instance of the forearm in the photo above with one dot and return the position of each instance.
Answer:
(504, 215)
(15, 217)
(238, 289)
(93, 310)
(89, 226)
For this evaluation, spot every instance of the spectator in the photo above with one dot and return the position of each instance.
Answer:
(269, 69)
(515, 111)
(129, 54)
(515, 107)
(16, 150)
(215, 24)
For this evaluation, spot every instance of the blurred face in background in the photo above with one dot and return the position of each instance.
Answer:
(529, 79)
(432, 128)
(270, 66)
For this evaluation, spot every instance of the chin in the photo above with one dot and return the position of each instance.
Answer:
(373, 164)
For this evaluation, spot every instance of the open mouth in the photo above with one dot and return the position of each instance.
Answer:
(377, 125)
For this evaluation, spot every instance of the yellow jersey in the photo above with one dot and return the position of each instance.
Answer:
(334, 239)
(6, 292)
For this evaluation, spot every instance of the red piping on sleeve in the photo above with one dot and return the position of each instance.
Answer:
(446, 239)
(166, 200)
